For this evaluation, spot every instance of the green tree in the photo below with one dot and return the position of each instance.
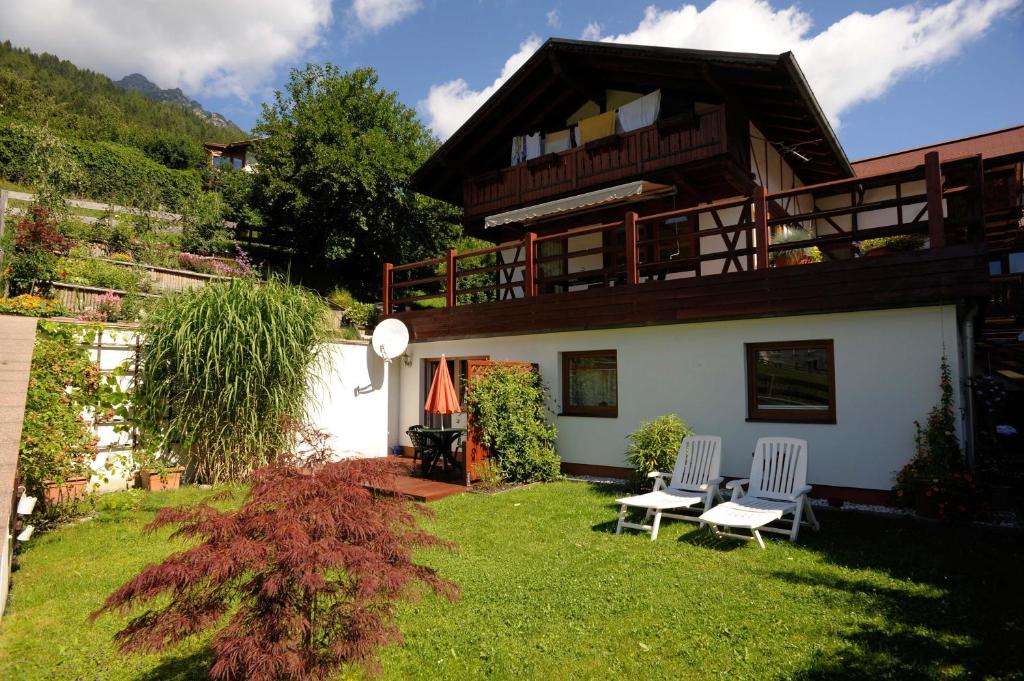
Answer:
(333, 180)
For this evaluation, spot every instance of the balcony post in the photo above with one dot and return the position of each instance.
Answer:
(632, 266)
(530, 266)
(450, 291)
(933, 184)
(761, 226)
(386, 293)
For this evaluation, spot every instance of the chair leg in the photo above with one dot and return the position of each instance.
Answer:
(757, 536)
(622, 519)
(655, 525)
(797, 514)
(810, 514)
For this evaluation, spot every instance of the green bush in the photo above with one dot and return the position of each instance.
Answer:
(104, 171)
(222, 367)
(361, 314)
(341, 297)
(101, 274)
(203, 228)
(357, 314)
(508, 404)
(654, 446)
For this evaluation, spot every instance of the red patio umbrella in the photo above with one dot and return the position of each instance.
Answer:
(442, 398)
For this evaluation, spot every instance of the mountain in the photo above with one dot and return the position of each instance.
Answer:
(139, 83)
(44, 91)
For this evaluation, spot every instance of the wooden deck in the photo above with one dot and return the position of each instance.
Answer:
(424, 489)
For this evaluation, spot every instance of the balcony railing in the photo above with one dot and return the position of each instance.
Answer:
(940, 204)
(613, 159)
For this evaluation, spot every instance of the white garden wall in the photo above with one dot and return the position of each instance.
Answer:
(887, 373)
(349, 400)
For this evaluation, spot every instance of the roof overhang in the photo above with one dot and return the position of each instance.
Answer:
(768, 89)
(623, 193)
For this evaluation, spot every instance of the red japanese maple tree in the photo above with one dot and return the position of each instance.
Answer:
(304, 577)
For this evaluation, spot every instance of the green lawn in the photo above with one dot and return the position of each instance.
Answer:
(550, 592)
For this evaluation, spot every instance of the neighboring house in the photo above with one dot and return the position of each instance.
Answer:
(237, 155)
(658, 214)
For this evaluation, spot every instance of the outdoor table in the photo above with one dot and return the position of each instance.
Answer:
(443, 439)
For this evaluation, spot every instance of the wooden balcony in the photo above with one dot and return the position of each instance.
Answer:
(612, 160)
(728, 260)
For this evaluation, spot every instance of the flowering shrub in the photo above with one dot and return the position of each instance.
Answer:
(304, 577)
(28, 305)
(240, 266)
(106, 309)
(937, 479)
(56, 441)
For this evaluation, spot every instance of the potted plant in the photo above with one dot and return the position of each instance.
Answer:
(891, 244)
(793, 256)
(158, 470)
(68, 489)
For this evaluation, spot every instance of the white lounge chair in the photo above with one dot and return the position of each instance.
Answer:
(695, 478)
(777, 487)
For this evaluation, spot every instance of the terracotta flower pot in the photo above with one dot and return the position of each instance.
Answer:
(878, 250)
(152, 481)
(62, 492)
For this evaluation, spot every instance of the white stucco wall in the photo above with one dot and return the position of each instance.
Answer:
(350, 401)
(887, 373)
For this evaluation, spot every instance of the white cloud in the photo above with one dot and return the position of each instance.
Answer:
(554, 21)
(378, 14)
(856, 59)
(591, 31)
(226, 47)
(448, 105)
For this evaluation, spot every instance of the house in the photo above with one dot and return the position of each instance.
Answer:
(677, 231)
(237, 155)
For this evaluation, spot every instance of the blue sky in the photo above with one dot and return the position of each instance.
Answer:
(891, 77)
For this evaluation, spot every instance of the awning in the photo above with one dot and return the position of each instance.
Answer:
(631, 191)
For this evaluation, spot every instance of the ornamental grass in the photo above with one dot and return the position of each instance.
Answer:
(222, 367)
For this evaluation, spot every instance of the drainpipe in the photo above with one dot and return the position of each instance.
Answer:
(968, 335)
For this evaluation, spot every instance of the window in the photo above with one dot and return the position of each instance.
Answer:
(1016, 262)
(590, 383)
(791, 381)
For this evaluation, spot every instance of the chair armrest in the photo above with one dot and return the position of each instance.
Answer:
(733, 484)
(659, 480)
(806, 489)
(712, 482)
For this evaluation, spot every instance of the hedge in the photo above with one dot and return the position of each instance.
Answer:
(112, 172)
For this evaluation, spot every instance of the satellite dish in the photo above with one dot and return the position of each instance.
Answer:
(390, 339)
